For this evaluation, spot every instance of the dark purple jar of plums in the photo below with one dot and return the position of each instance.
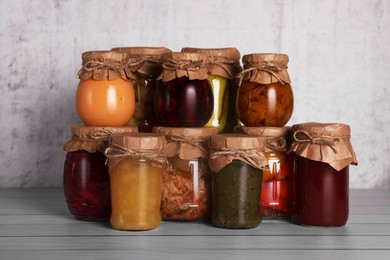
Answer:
(184, 97)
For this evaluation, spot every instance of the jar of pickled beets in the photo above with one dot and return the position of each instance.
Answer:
(277, 189)
(136, 163)
(186, 187)
(105, 96)
(142, 68)
(236, 163)
(223, 66)
(86, 179)
(265, 96)
(184, 98)
(322, 154)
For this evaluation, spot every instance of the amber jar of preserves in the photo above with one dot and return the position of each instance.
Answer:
(86, 179)
(136, 165)
(236, 163)
(187, 179)
(143, 66)
(223, 66)
(277, 189)
(265, 96)
(323, 153)
(184, 98)
(104, 95)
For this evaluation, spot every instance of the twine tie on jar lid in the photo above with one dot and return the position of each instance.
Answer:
(94, 65)
(197, 142)
(95, 135)
(136, 61)
(116, 151)
(250, 156)
(301, 136)
(269, 67)
(183, 65)
(276, 143)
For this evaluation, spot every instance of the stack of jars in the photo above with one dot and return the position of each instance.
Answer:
(212, 144)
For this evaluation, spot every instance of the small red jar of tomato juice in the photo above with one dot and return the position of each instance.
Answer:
(323, 153)
(185, 97)
(277, 188)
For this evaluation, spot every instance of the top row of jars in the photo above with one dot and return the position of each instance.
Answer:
(149, 86)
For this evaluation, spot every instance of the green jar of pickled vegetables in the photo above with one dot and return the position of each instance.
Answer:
(236, 163)
(223, 65)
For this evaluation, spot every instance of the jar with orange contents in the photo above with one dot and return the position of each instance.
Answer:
(277, 188)
(265, 96)
(104, 95)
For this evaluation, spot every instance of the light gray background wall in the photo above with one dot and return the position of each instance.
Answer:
(339, 65)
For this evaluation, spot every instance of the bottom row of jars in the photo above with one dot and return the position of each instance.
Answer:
(173, 175)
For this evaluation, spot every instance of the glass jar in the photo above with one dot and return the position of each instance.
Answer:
(184, 98)
(265, 96)
(104, 96)
(143, 67)
(85, 176)
(223, 66)
(236, 162)
(187, 179)
(277, 188)
(136, 166)
(323, 153)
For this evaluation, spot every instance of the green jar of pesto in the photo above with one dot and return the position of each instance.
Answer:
(236, 162)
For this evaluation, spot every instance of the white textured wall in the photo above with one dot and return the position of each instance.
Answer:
(339, 64)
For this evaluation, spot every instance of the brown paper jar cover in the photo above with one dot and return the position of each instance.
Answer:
(277, 138)
(187, 143)
(93, 139)
(149, 146)
(265, 68)
(324, 142)
(184, 64)
(228, 147)
(103, 65)
(224, 62)
(143, 60)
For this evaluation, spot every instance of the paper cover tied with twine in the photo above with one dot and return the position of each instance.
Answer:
(187, 143)
(265, 68)
(143, 60)
(146, 146)
(327, 143)
(103, 65)
(224, 62)
(181, 64)
(93, 139)
(228, 147)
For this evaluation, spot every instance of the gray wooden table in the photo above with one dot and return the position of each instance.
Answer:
(36, 224)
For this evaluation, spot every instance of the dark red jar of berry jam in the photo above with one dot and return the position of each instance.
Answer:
(86, 177)
(323, 153)
(184, 97)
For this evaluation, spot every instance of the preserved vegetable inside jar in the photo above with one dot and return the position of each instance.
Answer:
(104, 95)
(87, 185)
(236, 196)
(265, 96)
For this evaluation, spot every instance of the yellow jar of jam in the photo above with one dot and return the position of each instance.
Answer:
(104, 95)
(265, 96)
(187, 179)
(136, 165)
(143, 66)
(223, 66)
